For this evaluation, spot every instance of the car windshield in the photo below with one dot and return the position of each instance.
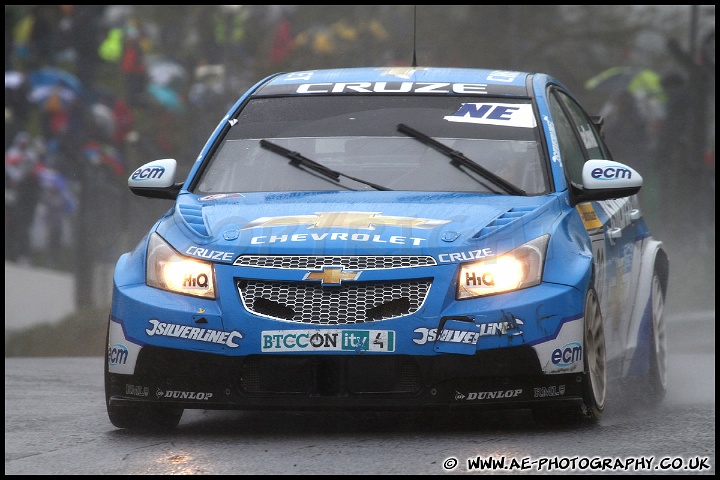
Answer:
(357, 142)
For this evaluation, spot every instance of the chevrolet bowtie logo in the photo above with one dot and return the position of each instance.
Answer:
(331, 276)
(358, 220)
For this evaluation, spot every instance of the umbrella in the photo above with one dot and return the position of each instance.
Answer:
(54, 84)
(49, 76)
(167, 97)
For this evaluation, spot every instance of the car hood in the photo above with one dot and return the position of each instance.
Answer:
(220, 227)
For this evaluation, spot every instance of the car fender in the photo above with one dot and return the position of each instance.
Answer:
(130, 268)
(569, 255)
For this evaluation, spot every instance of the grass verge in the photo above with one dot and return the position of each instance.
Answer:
(80, 334)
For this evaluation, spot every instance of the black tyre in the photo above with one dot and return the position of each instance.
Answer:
(149, 417)
(594, 359)
(143, 416)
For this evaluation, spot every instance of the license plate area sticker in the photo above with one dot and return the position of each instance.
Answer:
(328, 341)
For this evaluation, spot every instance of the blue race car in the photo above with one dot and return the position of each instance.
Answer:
(390, 238)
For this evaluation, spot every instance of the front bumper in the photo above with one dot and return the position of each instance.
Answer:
(301, 382)
(516, 349)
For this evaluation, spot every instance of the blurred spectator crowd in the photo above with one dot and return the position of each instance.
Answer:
(93, 91)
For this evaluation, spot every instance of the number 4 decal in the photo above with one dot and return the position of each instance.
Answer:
(383, 341)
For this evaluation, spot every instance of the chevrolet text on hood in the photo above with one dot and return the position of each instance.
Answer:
(387, 237)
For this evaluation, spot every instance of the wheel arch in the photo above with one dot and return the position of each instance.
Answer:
(654, 259)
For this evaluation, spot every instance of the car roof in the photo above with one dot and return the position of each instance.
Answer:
(391, 80)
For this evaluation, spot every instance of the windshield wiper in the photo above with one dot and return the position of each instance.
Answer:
(459, 159)
(298, 159)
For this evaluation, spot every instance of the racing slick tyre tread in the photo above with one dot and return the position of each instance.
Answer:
(150, 417)
(594, 359)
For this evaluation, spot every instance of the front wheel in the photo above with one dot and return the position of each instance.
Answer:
(594, 378)
(656, 380)
(594, 359)
(143, 416)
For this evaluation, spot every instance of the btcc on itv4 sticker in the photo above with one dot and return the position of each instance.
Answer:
(328, 340)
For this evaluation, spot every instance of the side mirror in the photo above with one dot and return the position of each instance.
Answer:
(155, 180)
(606, 179)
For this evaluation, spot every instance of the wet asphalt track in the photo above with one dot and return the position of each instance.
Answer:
(55, 424)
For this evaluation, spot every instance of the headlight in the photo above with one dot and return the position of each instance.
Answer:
(519, 268)
(168, 270)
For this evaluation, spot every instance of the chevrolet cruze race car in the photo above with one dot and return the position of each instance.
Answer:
(390, 238)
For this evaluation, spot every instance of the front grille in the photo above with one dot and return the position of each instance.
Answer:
(346, 304)
(360, 302)
(314, 262)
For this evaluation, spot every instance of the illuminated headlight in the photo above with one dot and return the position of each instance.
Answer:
(519, 268)
(168, 270)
